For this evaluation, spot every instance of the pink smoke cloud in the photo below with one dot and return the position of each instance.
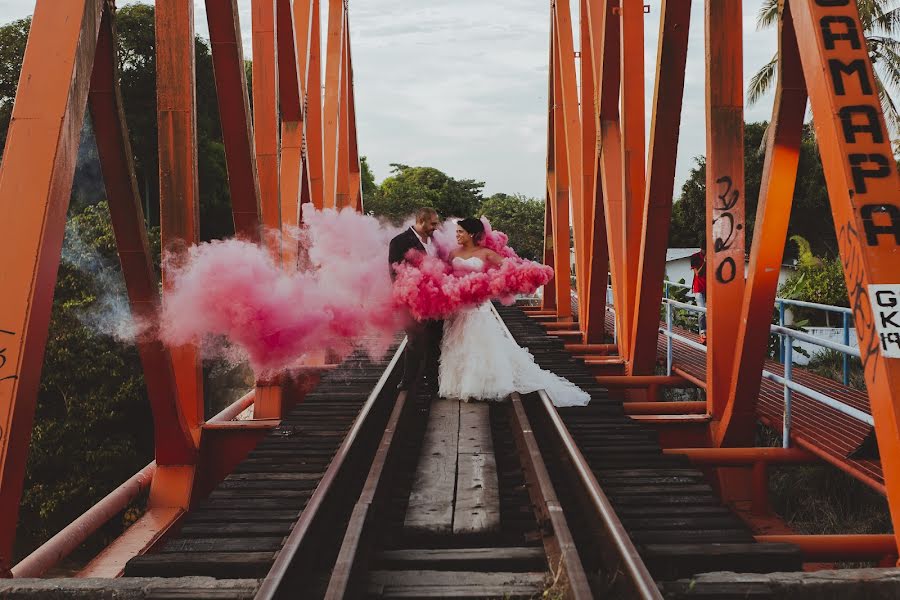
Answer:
(339, 298)
(430, 289)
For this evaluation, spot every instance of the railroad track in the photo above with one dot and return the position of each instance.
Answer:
(587, 505)
(617, 478)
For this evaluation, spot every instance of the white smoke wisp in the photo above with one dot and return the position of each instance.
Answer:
(109, 314)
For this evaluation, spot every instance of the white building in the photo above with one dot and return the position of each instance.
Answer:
(678, 266)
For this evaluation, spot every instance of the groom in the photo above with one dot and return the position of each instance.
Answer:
(423, 343)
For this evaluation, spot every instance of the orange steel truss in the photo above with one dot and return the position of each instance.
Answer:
(614, 194)
(295, 148)
(619, 203)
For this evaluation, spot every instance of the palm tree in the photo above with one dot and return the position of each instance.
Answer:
(881, 22)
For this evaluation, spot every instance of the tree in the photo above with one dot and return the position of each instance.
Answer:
(136, 51)
(521, 218)
(412, 187)
(92, 426)
(881, 24)
(688, 225)
(817, 279)
(13, 37)
(369, 187)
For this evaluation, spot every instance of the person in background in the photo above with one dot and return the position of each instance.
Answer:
(698, 288)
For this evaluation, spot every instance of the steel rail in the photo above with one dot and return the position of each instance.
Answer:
(344, 572)
(565, 562)
(641, 581)
(271, 585)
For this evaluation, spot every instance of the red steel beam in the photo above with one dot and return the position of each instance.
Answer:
(265, 116)
(606, 33)
(548, 299)
(291, 132)
(355, 176)
(589, 164)
(559, 189)
(864, 190)
(234, 114)
(633, 156)
(38, 166)
(342, 190)
(666, 121)
(593, 21)
(314, 152)
(724, 193)
(173, 442)
(738, 424)
(334, 71)
(179, 206)
(569, 124)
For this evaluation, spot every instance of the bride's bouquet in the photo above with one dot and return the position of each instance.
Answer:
(431, 288)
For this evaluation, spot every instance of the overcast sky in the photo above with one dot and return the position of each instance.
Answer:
(461, 85)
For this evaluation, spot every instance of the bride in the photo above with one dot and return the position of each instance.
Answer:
(479, 360)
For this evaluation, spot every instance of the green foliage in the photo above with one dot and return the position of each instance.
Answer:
(409, 188)
(522, 219)
(13, 37)
(369, 187)
(819, 280)
(830, 363)
(688, 225)
(92, 426)
(136, 51)
(880, 20)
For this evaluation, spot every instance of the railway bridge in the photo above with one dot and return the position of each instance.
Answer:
(341, 486)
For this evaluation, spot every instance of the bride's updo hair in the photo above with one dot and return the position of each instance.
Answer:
(473, 227)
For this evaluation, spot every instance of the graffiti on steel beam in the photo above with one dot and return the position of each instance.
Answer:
(861, 126)
(725, 229)
(863, 316)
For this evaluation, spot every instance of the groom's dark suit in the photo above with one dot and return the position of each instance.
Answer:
(423, 345)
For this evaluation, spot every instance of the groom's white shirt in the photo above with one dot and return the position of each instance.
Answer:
(430, 250)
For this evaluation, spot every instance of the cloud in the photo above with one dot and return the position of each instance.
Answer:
(462, 85)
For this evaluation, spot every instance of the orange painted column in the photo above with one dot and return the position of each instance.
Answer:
(265, 116)
(864, 189)
(559, 192)
(724, 194)
(35, 184)
(315, 156)
(597, 265)
(548, 300)
(355, 176)
(291, 150)
(738, 424)
(667, 100)
(608, 27)
(332, 109)
(234, 114)
(174, 444)
(179, 208)
(633, 158)
(569, 124)
(342, 183)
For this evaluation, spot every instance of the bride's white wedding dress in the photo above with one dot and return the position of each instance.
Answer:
(479, 360)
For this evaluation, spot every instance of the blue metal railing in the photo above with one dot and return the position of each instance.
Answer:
(781, 303)
(787, 382)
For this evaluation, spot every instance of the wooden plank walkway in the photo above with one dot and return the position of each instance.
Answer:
(832, 435)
